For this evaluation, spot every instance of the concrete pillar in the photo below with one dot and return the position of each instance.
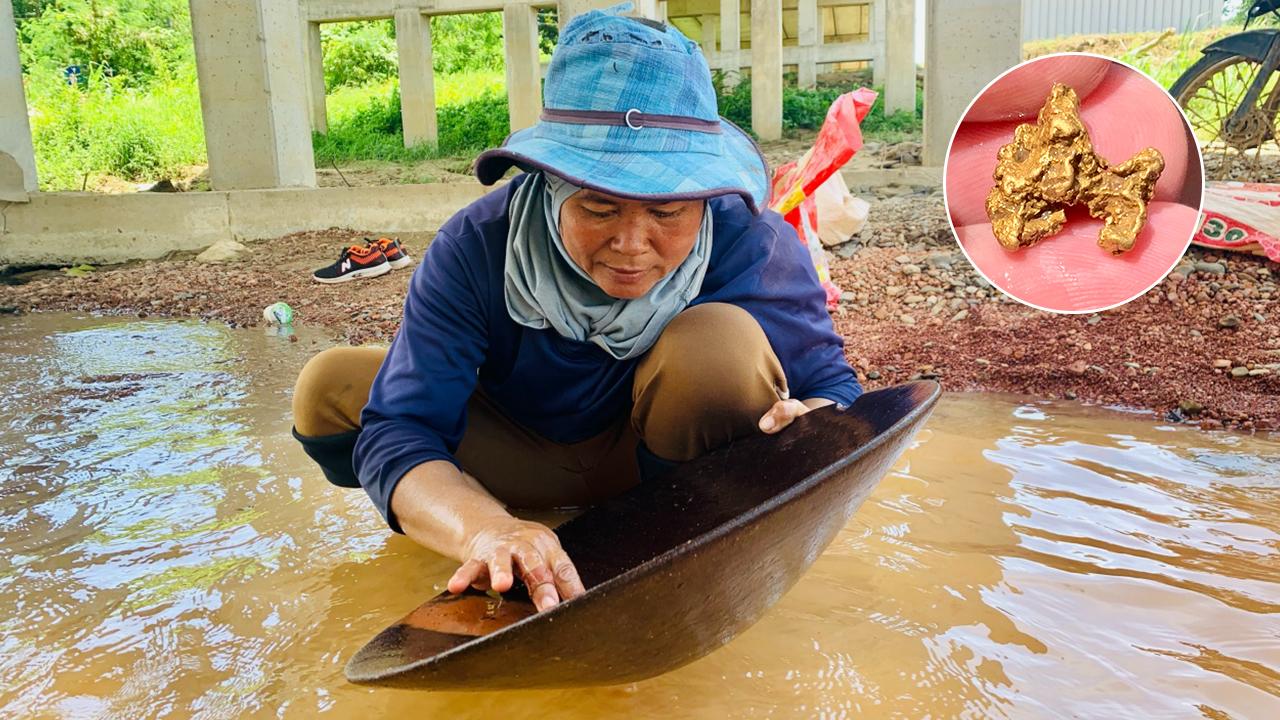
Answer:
(900, 57)
(315, 77)
(417, 83)
(569, 8)
(645, 9)
(17, 155)
(810, 37)
(520, 40)
(253, 95)
(709, 23)
(967, 44)
(730, 41)
(662, 10)
(766, 68)
(879, 21)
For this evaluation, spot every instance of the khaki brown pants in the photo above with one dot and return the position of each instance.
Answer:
(708, 380)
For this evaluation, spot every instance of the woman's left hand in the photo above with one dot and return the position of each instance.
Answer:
(784, 412)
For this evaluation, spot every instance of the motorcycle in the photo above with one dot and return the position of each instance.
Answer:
(1231, 96)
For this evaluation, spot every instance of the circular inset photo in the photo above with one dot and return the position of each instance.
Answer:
(1073, 183)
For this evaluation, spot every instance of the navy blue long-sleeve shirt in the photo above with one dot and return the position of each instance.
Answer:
(456, 332)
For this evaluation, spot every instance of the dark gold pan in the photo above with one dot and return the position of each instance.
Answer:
(674, 568)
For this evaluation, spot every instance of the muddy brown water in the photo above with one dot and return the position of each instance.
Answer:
(166, 550)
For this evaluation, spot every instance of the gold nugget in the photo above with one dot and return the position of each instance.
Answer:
(1050, 165)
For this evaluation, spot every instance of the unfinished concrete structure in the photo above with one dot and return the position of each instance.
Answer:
(261, 79)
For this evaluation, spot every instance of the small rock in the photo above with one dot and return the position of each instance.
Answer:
(907, 320)
(902, 259)
(1228, 322)
(1094, 319)
(960, 315)
(909, 269)
(1210, 424)
(1211, 268)
(847, 296)
(1185, 269)
(982, 361)
(1239, 372)
(1070, 395)
(1257, 372)
(913, 299)
(1133, 365)
(221, 251)
(1260, 317)
(1222, 364)
(1190, 408)
(941, 260)
(873, 375)
(1078, 367)
(894, 290)
(1195, 333)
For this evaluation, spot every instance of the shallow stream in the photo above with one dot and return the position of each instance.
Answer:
(167, 550)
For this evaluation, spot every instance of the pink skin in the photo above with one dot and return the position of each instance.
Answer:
(1068, 272)
(627, 246)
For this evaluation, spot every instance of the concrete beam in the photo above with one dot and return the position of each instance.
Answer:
(417, 81)
(69, 228)
(249, 60)
(315, 77)
(967, 44)
(524, 86)
(345, 10)
(766, 68)
(828, 53)
(730, 40)
(809, 38)
(17, 154)
(900, 58)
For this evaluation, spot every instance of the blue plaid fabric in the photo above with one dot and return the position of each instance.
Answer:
(606, 62)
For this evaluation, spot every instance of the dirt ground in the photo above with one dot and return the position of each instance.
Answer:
(1203, 346)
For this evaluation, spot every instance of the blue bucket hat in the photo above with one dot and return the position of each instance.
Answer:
(630, 111)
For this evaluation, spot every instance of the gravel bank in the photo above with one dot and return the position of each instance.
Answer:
(1203, 346)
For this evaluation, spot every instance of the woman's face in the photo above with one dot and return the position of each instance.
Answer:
(627, 246)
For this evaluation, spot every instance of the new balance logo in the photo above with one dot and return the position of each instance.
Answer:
(346, 265)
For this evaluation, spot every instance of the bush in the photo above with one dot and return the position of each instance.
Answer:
(358, 53)
(808, 109)
(375, 132)
(133, 40)
(467, 42)
(105, 126)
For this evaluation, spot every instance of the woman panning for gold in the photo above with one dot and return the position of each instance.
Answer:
(623, 306)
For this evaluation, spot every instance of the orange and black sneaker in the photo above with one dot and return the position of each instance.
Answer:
(394, 251)
(357, 261)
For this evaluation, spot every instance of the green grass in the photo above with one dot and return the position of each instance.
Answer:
(108, 128)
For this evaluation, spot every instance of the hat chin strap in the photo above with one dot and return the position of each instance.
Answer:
(632, 118)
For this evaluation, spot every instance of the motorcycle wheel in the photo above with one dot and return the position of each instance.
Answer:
(1208, 93)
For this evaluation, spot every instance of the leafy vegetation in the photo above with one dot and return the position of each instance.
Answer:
(808, 108)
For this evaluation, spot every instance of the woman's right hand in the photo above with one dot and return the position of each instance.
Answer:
(506, 545)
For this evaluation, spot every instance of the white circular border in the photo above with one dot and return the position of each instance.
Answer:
(946, 203)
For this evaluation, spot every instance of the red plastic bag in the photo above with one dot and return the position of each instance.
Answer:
(794, 183)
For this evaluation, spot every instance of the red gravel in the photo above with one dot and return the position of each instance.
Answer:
(1156, 353)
